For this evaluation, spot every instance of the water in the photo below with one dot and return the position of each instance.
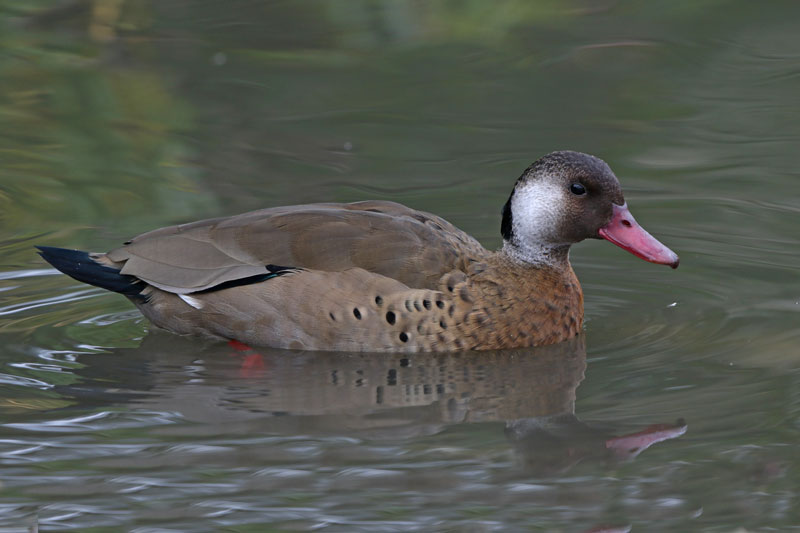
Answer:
(127, 117)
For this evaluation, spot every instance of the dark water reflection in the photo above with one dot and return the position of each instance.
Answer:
(117, 117)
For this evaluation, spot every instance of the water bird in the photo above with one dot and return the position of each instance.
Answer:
(377, 275)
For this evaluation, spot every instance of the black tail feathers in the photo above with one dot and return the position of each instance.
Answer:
(80, 266)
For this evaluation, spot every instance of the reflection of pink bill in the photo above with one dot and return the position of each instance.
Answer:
(629, 446)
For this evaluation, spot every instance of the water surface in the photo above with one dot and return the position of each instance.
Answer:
(678, 410)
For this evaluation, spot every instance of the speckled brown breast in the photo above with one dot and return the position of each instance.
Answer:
(521, 305)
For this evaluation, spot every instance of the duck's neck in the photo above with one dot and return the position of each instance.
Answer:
(554, 256)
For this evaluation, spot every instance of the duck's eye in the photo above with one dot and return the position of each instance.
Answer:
(577, 188)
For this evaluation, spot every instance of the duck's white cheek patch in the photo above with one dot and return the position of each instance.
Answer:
(194, 302)
(537, 211)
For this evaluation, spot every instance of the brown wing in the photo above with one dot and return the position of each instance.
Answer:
(413, 247)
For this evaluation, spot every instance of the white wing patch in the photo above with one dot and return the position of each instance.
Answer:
(194, 302)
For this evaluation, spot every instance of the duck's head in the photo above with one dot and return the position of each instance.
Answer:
(566, 197)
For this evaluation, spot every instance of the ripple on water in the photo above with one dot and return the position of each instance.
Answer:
(11, 379)
(100, 421)
(28, 305)
(27, 450)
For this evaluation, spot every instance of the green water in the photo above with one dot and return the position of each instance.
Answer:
(117, 117)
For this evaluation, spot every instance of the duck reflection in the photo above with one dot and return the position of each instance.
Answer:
(371, 395)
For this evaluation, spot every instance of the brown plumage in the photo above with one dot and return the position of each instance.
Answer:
(377, 276)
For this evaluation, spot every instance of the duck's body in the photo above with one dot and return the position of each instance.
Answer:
(374, 276)
(481, 306)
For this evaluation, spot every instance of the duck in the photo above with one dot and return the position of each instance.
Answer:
(377, 276)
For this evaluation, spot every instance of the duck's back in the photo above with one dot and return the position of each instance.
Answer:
(387, 238)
